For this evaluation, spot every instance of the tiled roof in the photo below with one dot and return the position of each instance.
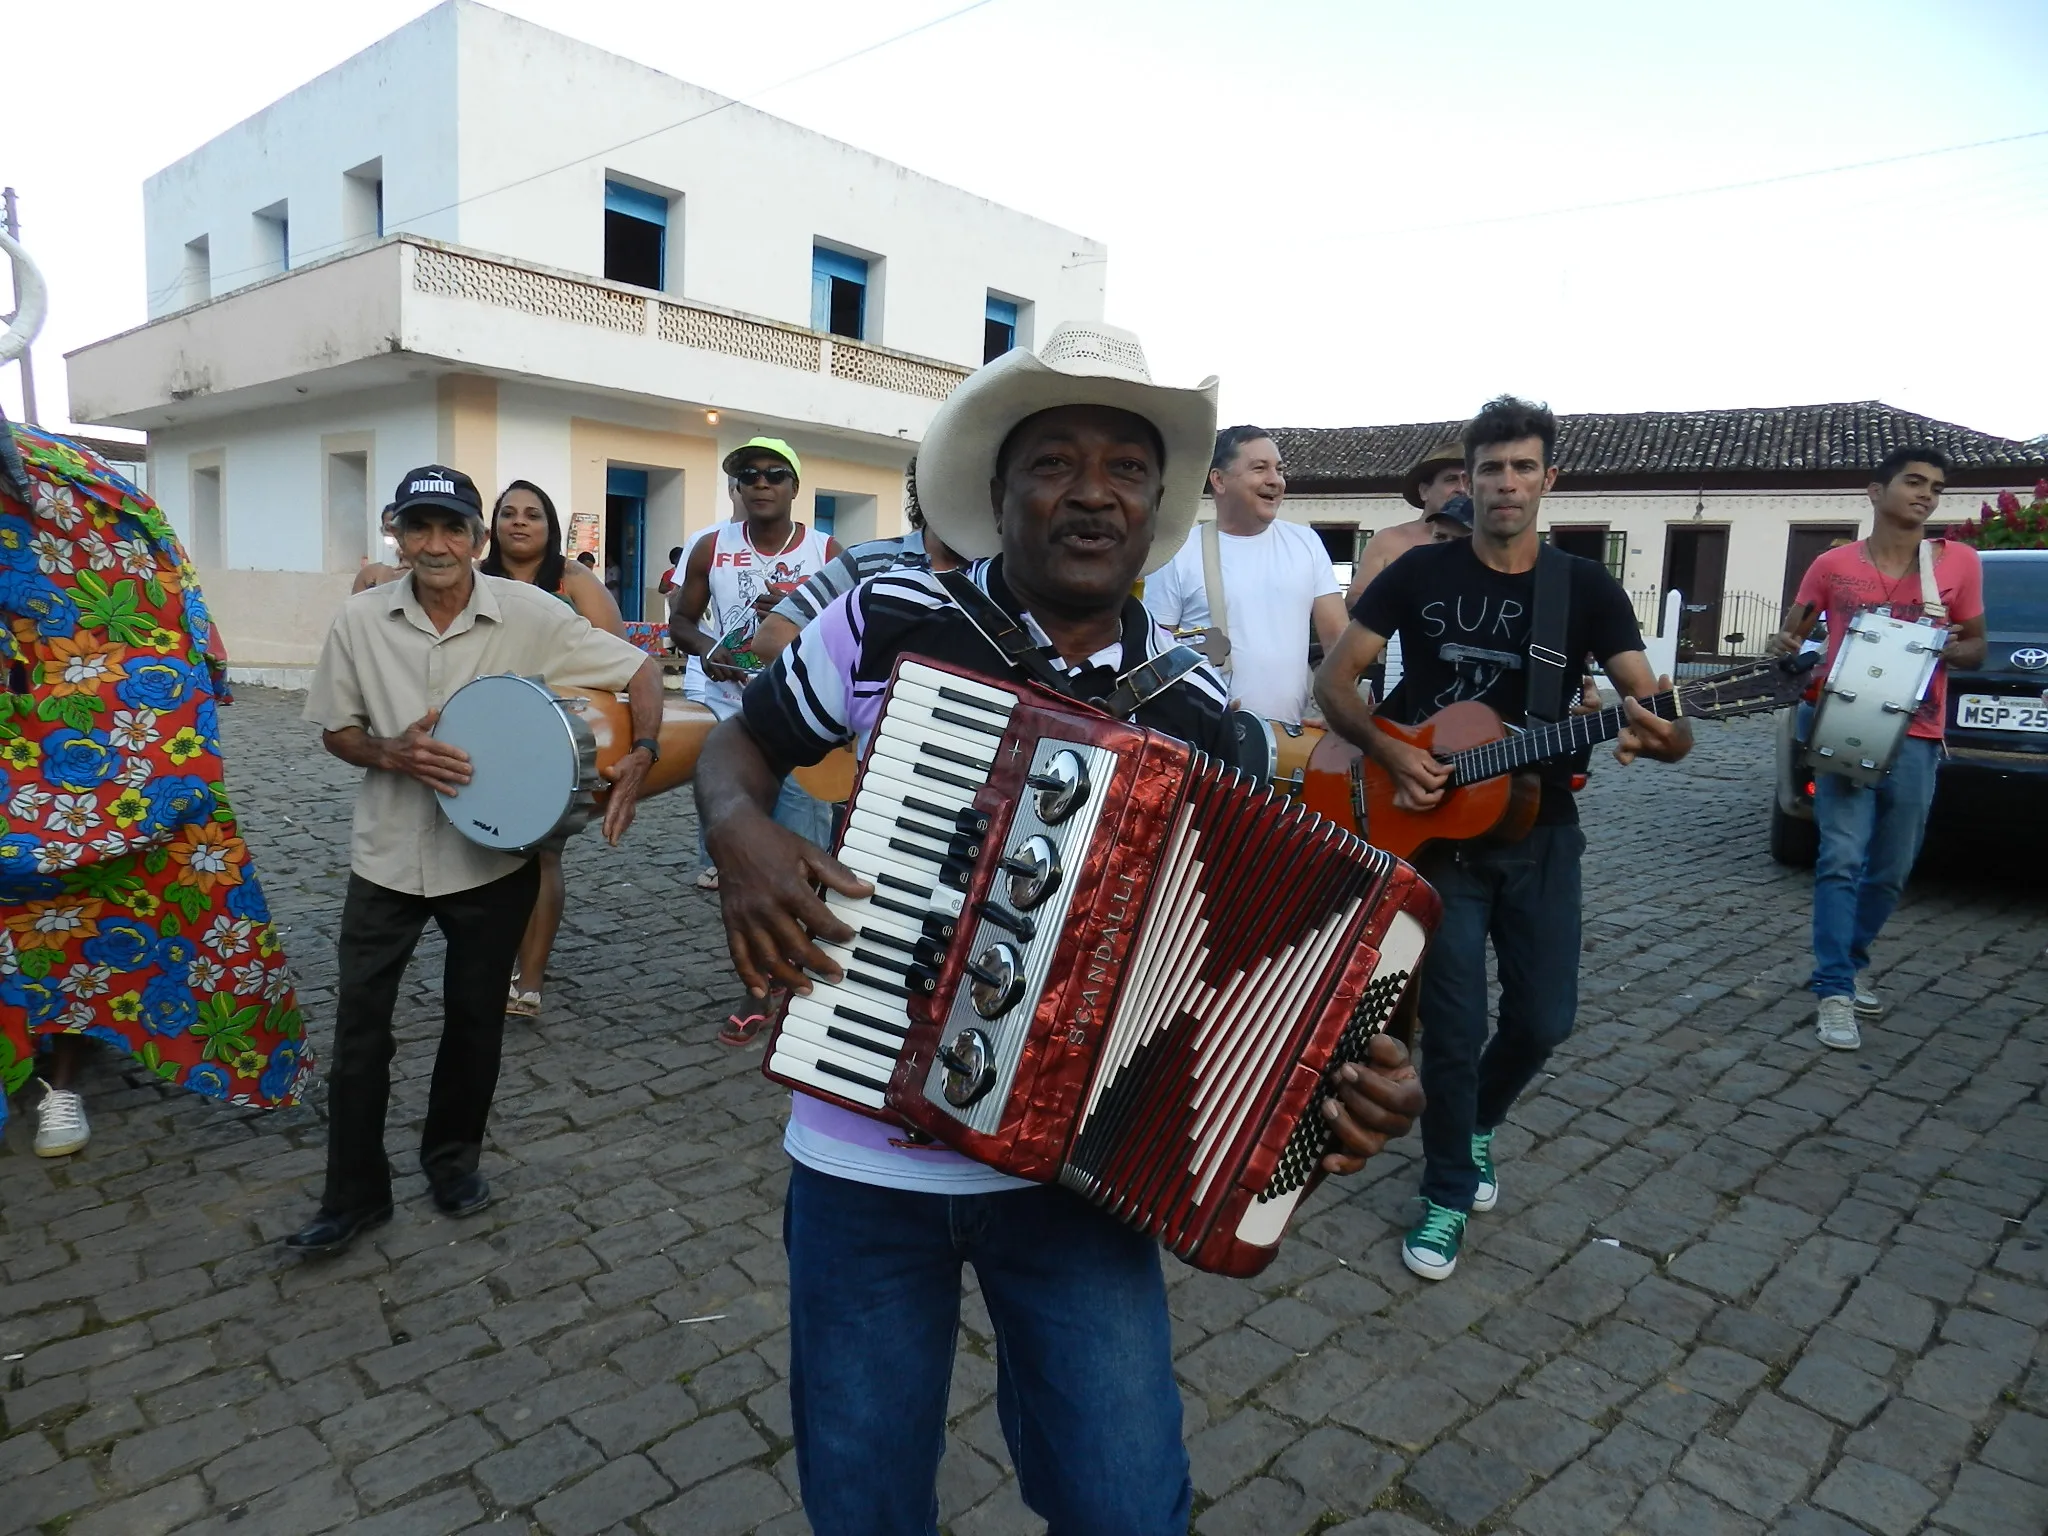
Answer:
(1806, 443)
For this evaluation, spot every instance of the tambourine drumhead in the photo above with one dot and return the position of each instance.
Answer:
(530, 761)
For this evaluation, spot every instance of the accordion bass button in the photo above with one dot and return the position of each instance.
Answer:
(970, 1063)
(997, 974)
(1062, 787)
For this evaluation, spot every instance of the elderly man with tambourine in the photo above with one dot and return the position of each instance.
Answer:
(393, 658)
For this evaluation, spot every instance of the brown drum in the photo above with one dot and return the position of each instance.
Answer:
(830, 780)
(684, 726)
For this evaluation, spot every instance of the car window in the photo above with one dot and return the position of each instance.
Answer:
(2016, 596)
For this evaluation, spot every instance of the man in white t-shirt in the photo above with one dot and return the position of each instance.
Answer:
(1277, 581)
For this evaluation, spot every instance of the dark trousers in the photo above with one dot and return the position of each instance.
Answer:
(1524, 897)
(380, 928)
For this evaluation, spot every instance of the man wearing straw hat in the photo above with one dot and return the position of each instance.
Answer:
(1063, 477)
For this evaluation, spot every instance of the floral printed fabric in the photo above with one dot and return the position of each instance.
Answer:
(129, 908)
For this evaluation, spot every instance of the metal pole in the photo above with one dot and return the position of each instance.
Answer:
(28, 370)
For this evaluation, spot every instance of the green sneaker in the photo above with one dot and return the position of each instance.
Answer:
(1431, 1250)
(1488, 1194)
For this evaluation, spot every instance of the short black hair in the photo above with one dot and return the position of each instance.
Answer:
(1509, 419)
(1889, 466)
(1152, 436)
(1230, 440)
(675, 554)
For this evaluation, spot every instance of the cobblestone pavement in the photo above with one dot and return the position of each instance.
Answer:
(1735, 1283)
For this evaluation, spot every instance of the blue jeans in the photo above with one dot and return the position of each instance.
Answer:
(1085, 1389)
(1869, 838)
(1525, 897)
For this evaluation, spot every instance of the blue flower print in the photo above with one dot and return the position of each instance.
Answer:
(35, 997)
(106, 1036)
(15, 553)
(168, 1006)
(282, 1072)
(157, 682)
(177, 800)
(78, 761)
(175, 955)
(34, 596)
(18, 853)
(208, 722)
(208, 1081)
(121, 944)
(247, 899)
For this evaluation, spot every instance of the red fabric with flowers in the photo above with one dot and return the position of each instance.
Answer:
(129, 907)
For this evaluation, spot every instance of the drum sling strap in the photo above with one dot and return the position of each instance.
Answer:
(1932, 608)
(1217, 643)
(1142, 683)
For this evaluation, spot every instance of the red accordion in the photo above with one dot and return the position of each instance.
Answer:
(1098, 956)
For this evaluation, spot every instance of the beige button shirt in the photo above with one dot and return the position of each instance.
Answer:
(385, 666)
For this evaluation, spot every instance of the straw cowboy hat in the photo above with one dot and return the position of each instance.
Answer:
(1445, 455)
(1077, 365)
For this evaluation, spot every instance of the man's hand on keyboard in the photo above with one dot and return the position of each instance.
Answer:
(765, 879)
(1377, 1100)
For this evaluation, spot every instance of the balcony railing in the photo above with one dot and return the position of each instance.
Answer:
(553, 296)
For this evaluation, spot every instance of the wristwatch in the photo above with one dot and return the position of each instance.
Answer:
(653, 748)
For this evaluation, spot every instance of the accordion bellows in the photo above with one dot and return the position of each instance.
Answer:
(1098, 956)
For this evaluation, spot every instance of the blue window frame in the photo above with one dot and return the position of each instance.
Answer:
(635, 235)
(625, 537)
(999, 330)
(824, 513)
(839, 293)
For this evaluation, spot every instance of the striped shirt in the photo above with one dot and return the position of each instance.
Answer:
(827, 688)
(852, 567)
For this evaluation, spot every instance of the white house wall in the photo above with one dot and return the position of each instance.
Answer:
(395, 100)
(272, 469)
(465, 104)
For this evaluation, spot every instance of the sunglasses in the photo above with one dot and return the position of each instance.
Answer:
(757, 474)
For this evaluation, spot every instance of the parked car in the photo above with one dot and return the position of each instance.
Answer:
(1996, 766)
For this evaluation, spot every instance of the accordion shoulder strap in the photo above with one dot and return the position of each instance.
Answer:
(1149, 679)
(1212, 579)
(1001, 631)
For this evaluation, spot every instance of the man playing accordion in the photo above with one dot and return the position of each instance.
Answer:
(1063, 477)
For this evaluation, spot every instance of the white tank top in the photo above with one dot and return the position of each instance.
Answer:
(739, 574)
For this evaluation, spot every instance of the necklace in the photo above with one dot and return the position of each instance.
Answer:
(796, 532)
(1893, 584)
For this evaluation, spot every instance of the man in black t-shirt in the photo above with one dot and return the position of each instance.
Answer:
(1463, 611)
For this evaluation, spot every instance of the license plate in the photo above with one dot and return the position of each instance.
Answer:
(1988, 712)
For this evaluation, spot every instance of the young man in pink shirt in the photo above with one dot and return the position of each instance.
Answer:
(1870, 835)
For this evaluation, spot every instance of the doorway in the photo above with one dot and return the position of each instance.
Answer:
(625, 538)
(1696, 564)
(1806, 544)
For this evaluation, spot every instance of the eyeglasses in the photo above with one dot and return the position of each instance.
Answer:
(764, 474)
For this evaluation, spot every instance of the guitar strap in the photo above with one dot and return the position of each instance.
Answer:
(1550, 679)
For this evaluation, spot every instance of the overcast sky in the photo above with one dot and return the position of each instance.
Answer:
(1350, 210)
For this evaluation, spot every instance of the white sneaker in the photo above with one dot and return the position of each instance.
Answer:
(61, 1127)
(1836, 1021)
(1868, 1004)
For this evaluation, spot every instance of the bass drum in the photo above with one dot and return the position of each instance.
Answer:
(538, 758)
(1879, 677)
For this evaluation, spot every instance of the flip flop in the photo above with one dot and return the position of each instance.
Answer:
(740, 1030)
(523, 1005)
(708, 881)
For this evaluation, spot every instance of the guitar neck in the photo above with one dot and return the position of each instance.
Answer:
(1541, 743)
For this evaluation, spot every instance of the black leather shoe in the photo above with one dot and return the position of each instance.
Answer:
(464, 1196)
(330, 1232)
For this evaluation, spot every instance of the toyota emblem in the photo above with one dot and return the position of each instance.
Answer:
(2032, 657)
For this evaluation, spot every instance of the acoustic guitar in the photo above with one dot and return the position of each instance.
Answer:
(1493, 793)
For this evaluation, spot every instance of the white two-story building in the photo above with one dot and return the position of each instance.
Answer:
(484, 244)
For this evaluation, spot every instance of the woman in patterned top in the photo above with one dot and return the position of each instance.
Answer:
(129, 908)
(526, 545)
